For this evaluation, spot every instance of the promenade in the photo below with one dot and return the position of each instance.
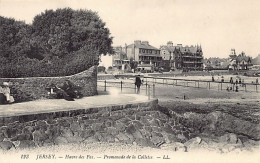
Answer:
(59, 105)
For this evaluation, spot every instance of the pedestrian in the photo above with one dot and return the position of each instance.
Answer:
(222, 79)
(213, 79)
(231, 80)
(236, 88)
(256, 81)
(138, 83)
(5, 90)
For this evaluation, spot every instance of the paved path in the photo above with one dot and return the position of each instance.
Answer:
(54, 105)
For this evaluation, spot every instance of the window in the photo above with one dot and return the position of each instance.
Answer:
(143, 51)
(150, 51)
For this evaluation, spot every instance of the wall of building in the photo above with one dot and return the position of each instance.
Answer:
(130, 53)
(26, 89)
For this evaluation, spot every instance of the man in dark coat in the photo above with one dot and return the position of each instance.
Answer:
(138, 83)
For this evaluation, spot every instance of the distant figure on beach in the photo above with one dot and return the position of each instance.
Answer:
(236, 88)
(138, 83)
(256, 81)
(228, 88)
(213, 78)
(5, 96)
(222, 79)
(240, 81)
(231, 80)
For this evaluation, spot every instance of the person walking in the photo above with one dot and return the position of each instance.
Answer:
(138, 83)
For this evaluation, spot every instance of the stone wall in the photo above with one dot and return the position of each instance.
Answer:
(147, 125)
(26, 89)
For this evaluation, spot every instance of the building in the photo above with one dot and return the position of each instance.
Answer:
(239, 62)
(145, 68)
(120, 60)
(186, 58)
(215, 63)
(143, 53)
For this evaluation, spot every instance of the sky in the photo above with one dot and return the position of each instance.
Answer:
(216, 25)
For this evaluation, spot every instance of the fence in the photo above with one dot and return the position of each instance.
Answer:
(219, 85)
(149, 88)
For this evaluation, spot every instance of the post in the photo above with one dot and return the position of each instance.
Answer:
(146, 88)
(105, 86)
(121, 83)
(149, 92)
(153, 90)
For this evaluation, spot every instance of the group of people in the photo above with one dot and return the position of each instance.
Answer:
(67, 91)
(5, 96)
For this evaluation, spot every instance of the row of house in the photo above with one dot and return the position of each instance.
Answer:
(233, 62)
(150, 58)
(142, 56)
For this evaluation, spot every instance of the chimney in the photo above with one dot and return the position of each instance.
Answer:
(169, 44)
(137, 42)
(145, 42)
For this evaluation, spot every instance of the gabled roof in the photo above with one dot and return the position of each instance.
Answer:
(143, 46)
(191, 49)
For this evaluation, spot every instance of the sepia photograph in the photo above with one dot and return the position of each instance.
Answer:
(91, 81)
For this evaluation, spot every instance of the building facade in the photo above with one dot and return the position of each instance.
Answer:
(186, 58)
(239, 62)
(120, 60)
(143, 53)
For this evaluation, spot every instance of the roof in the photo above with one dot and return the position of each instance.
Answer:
(192, 49)
(143, 46)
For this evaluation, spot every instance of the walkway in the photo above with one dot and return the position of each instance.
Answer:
(57, 105)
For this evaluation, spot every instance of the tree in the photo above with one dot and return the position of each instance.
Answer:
(133, 64)
(60, 42)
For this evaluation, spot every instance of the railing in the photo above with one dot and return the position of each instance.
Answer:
(220, 85)
(149, 88)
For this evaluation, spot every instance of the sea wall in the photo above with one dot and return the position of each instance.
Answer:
(144, 124)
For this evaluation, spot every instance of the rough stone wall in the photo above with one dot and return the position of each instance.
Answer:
(26, 89)
(144, 125)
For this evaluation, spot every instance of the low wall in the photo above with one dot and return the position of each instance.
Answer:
(32, 88)
(121, 123)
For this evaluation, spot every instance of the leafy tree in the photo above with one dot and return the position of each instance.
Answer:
(61, 42)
